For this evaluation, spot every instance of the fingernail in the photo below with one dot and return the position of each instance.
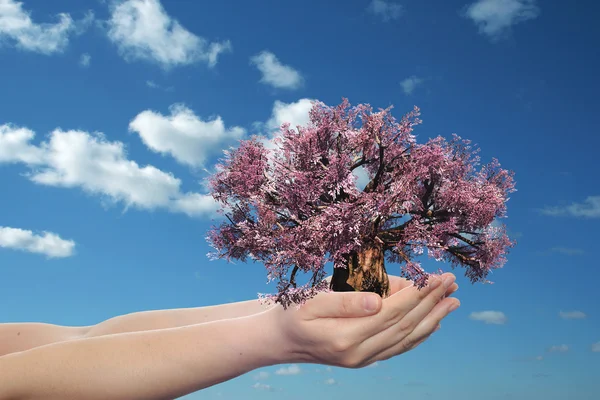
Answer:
(449, 280)
(454, 306)
(370, 303)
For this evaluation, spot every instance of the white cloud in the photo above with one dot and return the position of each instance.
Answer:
(183, 135)
(489, 317)
(563, 348)
(568, 251)
(77, 159)
(262, 386)
(295, 113)
(590, 208)
(47, 243)
(15, 146)
(572, 315)
(274, 73)
(596, 347)
(410, 84)
(143, 30)
(262, 375)
(19, 29)
(85, 60)
(330, 381)
(374, 365)
(290, 370)
(386, 10)
(495, 18)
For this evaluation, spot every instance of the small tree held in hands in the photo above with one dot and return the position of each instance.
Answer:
(298, 206)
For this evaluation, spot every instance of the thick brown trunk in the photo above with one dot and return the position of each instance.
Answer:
(365, 272)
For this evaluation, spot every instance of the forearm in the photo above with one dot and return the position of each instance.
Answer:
(171, 318)
(160, 364)
(17, 337)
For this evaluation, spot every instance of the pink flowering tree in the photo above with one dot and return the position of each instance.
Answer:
(298, 206)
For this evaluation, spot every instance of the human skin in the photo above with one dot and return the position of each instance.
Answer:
(16, 337)
(331, 329)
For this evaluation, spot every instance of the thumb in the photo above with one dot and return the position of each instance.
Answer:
(347, 305)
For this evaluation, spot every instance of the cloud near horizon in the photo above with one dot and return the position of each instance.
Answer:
(489, 317)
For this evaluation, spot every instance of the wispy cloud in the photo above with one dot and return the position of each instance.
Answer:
(572, 315)
(18, 28)
(290, 370)
(330, 381)
(78, 159)
(568, 251)
(47, 243)
(410, 84)
(589, 208)
(489, 317)
(263, 386)
(386, 10)
(495, 18)
(85, 60)
(142, 30)
(261, 375)
(274, 73)
(563, 348)
(596, 347)
(184, 135)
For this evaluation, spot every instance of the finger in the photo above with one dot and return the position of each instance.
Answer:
(417, 314)
(421, 333)
(398, 283)
(393, 309)
(407, 308)
(344, 305)
(452, 289)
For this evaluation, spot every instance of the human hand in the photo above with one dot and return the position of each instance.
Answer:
(336, 329)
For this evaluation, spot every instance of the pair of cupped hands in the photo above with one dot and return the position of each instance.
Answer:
(356, 329)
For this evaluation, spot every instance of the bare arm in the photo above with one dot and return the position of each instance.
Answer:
(15, 337)
(24, 336)
(333, 329)
(159, 364)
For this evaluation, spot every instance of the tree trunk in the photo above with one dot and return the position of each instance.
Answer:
(365, 272)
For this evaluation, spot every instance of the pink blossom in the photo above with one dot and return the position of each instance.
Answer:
(298, 206)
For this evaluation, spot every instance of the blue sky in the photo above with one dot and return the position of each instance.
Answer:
(109, 122)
